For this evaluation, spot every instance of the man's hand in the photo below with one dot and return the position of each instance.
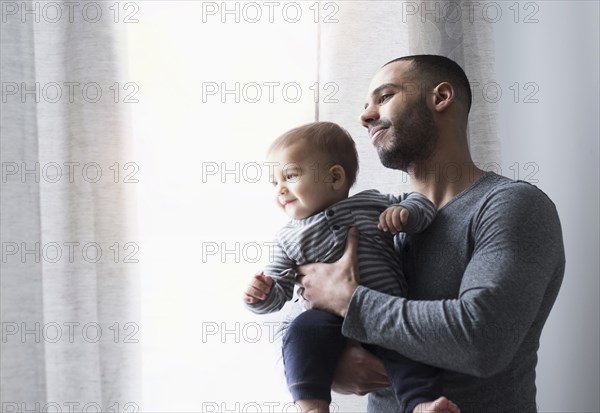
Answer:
(393, 219)
(359, 372)
(258, 289)
(329, 287)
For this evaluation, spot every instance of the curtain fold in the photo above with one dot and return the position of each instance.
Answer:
(359, 38)
(463, 31)
(69, 282)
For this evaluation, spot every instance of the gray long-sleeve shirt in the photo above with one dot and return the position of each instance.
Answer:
(483, 278)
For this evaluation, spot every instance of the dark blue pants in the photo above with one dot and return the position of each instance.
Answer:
(312, 346)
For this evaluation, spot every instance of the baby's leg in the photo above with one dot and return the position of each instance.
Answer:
(441, 405)
(414, 384)
(312, 345)
(313, 406)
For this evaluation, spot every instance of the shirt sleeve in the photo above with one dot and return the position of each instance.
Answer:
(516, 267)
(282, 269)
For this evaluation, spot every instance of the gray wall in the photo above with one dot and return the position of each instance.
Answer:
(555, 141)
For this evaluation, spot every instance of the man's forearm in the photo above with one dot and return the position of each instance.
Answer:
(417, 329)
(450, 334)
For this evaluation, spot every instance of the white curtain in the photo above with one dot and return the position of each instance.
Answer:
(368, 34)
(464, 32)
(69, 281)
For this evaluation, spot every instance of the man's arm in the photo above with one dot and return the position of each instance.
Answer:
(518, 257)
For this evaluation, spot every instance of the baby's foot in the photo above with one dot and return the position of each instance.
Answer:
(441, 405)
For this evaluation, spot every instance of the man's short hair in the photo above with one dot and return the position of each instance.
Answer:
(327, 138)
(434, 69)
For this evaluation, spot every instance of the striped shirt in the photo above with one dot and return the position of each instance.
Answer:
(322, 238)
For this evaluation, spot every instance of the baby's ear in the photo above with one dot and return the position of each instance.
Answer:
(338, 177)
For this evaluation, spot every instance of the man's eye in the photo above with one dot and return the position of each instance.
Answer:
(386, 97)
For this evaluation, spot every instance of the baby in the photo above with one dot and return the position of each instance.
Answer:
(315, 166)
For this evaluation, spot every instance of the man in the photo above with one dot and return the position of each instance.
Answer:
(482, 278)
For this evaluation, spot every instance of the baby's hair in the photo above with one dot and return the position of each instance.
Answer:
(327, 138)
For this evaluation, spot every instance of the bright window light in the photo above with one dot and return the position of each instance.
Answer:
(215, 89)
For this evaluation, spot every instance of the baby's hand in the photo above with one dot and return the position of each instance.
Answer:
(393, 219)
(258, 289)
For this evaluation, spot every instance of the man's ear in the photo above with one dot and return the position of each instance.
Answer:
(443, 96)
(338, 177)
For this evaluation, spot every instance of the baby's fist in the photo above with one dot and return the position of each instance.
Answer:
(393, 219)
(258, 289)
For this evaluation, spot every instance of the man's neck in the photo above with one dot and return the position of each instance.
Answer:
(442, 181)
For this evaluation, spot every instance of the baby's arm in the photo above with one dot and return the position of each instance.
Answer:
(411, 215)
(269, 289)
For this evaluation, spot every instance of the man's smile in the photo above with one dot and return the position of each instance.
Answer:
(377, 131)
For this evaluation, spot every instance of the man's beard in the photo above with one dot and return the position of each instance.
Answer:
(414, 140)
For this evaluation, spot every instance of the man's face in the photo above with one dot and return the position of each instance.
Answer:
(401, 126)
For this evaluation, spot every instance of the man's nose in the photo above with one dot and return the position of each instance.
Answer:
(369, 115)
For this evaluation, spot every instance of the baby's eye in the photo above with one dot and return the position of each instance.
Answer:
(291, 175)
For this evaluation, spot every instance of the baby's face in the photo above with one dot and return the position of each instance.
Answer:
(302, 182)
